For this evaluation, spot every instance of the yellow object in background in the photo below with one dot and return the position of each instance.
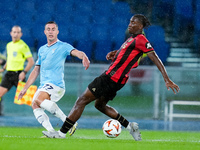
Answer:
(28, 97)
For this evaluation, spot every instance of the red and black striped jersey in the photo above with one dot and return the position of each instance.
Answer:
(127, 57)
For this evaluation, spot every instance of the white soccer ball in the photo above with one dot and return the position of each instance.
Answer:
(112, 128)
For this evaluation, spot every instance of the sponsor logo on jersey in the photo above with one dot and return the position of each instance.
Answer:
(131, 39)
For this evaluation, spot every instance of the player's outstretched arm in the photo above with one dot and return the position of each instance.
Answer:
(29, 65)
(168, 82)
(83, 56)
(4, 68)
(32, 77)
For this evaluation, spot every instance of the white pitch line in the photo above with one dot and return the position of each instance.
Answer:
(169, 140)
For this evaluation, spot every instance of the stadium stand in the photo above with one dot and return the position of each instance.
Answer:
(182, 18)
(196, 37)
(156, 35)
(87, 46)
(97, 21)
(167, 9)
(102, 47)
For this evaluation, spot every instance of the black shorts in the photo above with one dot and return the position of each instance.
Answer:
(104, 86)
(11, 78)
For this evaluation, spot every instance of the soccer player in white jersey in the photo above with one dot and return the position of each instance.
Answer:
(50, 66)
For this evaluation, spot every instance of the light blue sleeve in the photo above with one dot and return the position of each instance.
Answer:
(68, 48)
(38, 62)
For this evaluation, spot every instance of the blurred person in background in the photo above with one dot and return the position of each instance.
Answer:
(50, 66)
(2, 63)
(104, 88)
(18, 52)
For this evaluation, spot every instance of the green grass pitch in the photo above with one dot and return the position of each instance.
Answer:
(18, 138)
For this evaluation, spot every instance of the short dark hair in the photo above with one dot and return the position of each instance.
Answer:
(143, 19)
(52, 22)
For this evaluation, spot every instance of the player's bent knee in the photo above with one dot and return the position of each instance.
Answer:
(82, 101)
(99, 107)
(35, 105)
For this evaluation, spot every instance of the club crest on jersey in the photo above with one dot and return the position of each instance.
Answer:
(129, 40)
(148, 45)
(14, 54)
(53, 50)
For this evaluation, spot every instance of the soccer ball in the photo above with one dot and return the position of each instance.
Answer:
(112, 128)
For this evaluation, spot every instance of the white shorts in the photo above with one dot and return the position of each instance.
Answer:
(55, 92)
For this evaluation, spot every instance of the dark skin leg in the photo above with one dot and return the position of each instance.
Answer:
(102, 106)
(86, 98)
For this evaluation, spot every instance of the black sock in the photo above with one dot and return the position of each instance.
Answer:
(122, 120)
(67, 125)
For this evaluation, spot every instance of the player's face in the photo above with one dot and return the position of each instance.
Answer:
(135, 27)
(16, 34)
(51, 32)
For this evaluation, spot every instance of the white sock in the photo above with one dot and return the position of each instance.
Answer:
(61, 133)
(53, 108)
(43, 119)
(129, 126)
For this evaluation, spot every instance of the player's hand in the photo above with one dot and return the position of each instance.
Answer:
(111, 55)
(86, 62)
(1, 70)
(21, 94)
(170, 84)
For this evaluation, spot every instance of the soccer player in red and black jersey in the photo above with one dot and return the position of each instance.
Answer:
(104, 88)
